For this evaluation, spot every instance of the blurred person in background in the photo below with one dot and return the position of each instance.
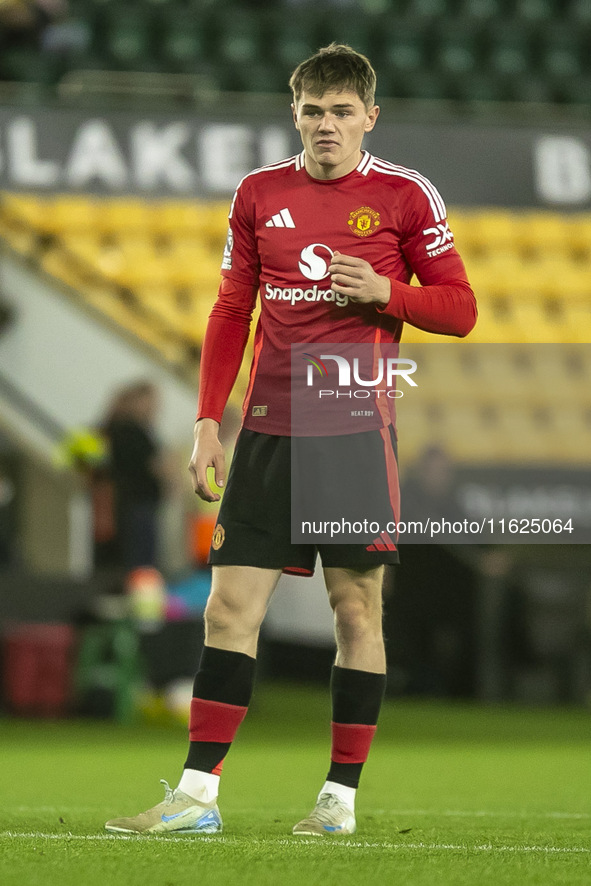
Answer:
(7, 495)
(137, 473)
(279, 215)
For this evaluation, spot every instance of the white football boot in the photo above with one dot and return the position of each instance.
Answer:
(329, 816)
(178, 813)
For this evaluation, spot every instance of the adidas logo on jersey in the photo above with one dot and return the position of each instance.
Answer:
(282, 219)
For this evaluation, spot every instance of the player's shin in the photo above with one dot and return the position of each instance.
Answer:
(221, 695)
(356, 701)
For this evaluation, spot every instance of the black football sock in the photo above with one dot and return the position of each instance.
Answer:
(356, 701)
(221, 695)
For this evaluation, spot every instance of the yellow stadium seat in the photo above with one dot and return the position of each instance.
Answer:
(572, 433)
(122, 216)
(580, 234)
(543, 233)
(74, 215)
(460, 223)
(57, 263)
(494, 230)
(32, 210)
(216, 230)
(21, 237)
(180, 218)
(577, 322)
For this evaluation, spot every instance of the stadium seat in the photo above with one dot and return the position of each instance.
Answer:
(352, 28)
(404, 50)
(59, 265)
(241, 38)
(289, 45)
(534, 11)
(427, 10)
(577, 12)
(579, 235)
(84, 246)
(530, 88)
(478, 87)
(555, 279)
(489, 230)
(216, 227)
(480, 11)
(560, 52)
(502, 274)
(426, 85)
(252, 76)
(180, 218)
(184, 41)
(541, 233)
(531, 321)
(28, 64)
(509, 50)
(118, 215)
(575, 92)
(169, 312)
(577, 323)
(458, 50)
(127, 38)
(73, 214)
(28, 209)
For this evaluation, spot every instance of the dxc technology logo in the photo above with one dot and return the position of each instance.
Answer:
(442, 239)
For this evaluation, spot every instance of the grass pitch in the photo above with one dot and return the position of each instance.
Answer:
(452, 794)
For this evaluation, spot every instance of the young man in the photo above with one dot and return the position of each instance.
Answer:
(357, 227)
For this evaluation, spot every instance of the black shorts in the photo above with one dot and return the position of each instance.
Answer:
(254, 521)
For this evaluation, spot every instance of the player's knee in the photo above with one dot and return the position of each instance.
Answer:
(356, 618)
(224, 615)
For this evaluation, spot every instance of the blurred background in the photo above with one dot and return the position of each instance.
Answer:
(124, 129)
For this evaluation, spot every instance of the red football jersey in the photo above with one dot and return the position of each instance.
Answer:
(284, 228)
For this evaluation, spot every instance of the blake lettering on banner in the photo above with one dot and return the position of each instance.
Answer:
(124, 153)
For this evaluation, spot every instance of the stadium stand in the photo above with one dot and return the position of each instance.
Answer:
(518, 50)
(153, 269)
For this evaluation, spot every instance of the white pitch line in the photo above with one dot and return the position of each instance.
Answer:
(482, 813)
(400, 813)
(66, 809)
(337, 844)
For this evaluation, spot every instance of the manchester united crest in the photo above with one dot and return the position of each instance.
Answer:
(364, 221)
(218, 538)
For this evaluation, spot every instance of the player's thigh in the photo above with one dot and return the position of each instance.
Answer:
(240, 594)
(355, 589)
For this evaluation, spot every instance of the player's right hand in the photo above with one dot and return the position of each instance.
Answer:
(207, 452)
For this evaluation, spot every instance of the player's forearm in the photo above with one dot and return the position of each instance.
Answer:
(223, 350)
(443, 308)
(223, 347)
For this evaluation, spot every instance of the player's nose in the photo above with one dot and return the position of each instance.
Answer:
(327, 123)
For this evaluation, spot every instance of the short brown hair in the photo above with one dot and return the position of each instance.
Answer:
(335, 67)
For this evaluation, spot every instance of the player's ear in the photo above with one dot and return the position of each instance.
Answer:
(372, 116)
(295, 116)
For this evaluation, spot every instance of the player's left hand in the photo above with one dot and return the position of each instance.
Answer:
(356, 278)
